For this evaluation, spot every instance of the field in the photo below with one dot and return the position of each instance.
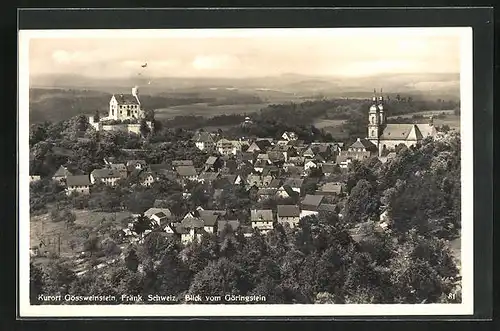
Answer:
(203, 109)
(427, 113)
(43, 229)
(334, 127)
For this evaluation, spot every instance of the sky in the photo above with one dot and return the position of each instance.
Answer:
(313, 52)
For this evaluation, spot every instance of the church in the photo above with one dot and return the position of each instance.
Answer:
(386, 136)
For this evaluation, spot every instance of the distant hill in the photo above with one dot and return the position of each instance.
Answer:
(424, 83)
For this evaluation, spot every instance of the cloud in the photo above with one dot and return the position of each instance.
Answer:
(208, 62)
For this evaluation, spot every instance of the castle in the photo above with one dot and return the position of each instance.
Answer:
(386, 136)
(122, 107)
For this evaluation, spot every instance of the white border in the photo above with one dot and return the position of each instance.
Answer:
(466, 130)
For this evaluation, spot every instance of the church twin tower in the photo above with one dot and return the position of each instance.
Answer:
(377, 119)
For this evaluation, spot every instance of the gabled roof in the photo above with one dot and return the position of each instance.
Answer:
(261, 163)
(62, 172)
(294, 182)
(208, 176)
(362, 143)
(106, 173)
(427, 130)
(246, 156)
(159, 167)
(327, 207)
(126, 99)
(295, 170)
(152, 211)
(288, 211)
(331, 187)
(186, 171)
(267, 191)
(230, 178)
(177, 163)
(261, 215)
(276, 156)
(192, 222)
(328, 167)
(288, 189)
(209, 219)
(400, 132)
(312, 200)
(203, 137)
(275, 183)
(79, 180)
(211, 160)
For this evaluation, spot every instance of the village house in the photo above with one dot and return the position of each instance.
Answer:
(362, 145)
(107, 176)
(259, 146)
(159, 216)
(120, 167)
(260, 164)
(161, 169)
(246, 157)
(297, 160)
(190, 229)
(34, 178)
(210, 219)
(187, 173)
(146, 178)
(229, 147)
(323, 150)
(295, 183)
(208, 177)
(345, 158)
(79, 184)
(331, 188)
(289, 136)
(266, 193)
(310, 164)
(286, 191)
(262, 219)
(308, 153)
(329, 169)
(136, 164)
(61, 174)
(177, 163)
(310, 205)
(213, 163)
(232, 179)
(288, 214)
(204, 141)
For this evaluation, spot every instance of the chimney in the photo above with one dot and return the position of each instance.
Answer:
(358, 139)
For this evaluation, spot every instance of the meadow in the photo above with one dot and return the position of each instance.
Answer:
(206, 110)
(72, 238)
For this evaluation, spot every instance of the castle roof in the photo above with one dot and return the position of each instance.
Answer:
(126, 99)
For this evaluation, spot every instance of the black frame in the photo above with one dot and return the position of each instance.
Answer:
(481, 19)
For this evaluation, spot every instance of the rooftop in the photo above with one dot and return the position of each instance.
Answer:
(261, 215)
(79, 180)
(288, 211)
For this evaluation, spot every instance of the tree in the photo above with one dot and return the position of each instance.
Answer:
(36, 283)
(221, 276)
(144, 128)
(97, 117)
(132, 260)
(91, 244)
(362, 204)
